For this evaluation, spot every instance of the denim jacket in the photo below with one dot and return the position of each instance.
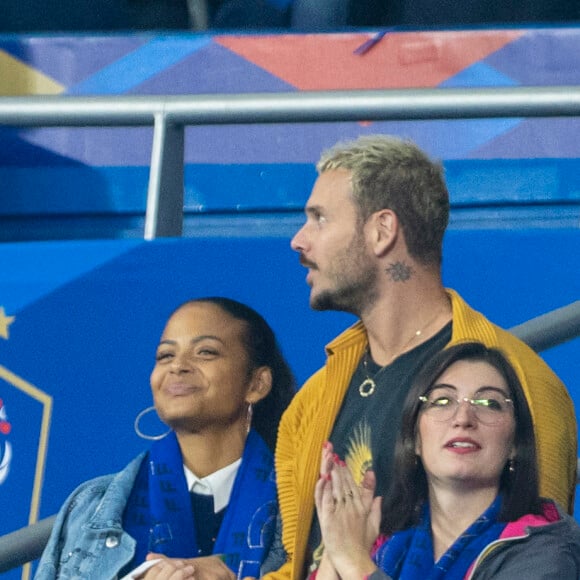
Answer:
(87, 541)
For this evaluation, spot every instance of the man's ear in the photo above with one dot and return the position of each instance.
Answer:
(385, 228)
(260, 386)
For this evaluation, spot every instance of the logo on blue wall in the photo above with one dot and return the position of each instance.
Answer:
(5, 447)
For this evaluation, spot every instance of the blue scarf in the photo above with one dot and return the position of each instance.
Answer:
(159, 515)
(408, 554)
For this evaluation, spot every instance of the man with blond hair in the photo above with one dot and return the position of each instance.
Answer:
(372, 243)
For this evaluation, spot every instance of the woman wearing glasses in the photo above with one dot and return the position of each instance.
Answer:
(464, 501)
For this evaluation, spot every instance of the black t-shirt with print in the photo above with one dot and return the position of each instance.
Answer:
(366, 428)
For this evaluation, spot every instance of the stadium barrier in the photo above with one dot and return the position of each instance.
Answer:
(169, 115)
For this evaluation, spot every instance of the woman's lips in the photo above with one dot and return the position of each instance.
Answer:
(462, 445)
(179, 389)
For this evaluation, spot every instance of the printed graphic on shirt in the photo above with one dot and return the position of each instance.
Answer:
(359, 457)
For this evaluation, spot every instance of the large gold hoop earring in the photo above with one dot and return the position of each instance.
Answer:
(144, 435)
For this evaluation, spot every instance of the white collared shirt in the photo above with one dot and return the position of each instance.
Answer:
(219, 484)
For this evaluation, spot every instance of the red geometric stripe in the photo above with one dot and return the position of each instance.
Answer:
(398, 60)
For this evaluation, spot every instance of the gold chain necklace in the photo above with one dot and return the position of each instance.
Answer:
(369, 385)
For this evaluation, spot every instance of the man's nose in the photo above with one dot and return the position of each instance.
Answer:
(298, 242)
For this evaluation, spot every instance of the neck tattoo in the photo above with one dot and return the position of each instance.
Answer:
(369, 385)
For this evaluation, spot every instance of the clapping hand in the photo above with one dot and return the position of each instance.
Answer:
(349, 517)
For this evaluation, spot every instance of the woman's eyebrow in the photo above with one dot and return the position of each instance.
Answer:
(443, 386)
(478, 390)
(492, 388)
(197, 339)
(194, 340)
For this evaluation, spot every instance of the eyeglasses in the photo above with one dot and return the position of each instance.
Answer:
(490, 408)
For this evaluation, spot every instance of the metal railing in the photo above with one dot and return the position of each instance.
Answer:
(169, 115)
(551, 329)
(24, 545)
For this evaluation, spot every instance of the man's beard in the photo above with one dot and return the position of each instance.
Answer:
(353, 298)
(354, 291)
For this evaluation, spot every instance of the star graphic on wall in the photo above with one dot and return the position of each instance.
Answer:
(5, 322)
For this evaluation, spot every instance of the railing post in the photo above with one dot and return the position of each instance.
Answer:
(164, 214)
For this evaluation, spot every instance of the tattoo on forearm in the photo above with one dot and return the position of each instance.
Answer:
(399, 272)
